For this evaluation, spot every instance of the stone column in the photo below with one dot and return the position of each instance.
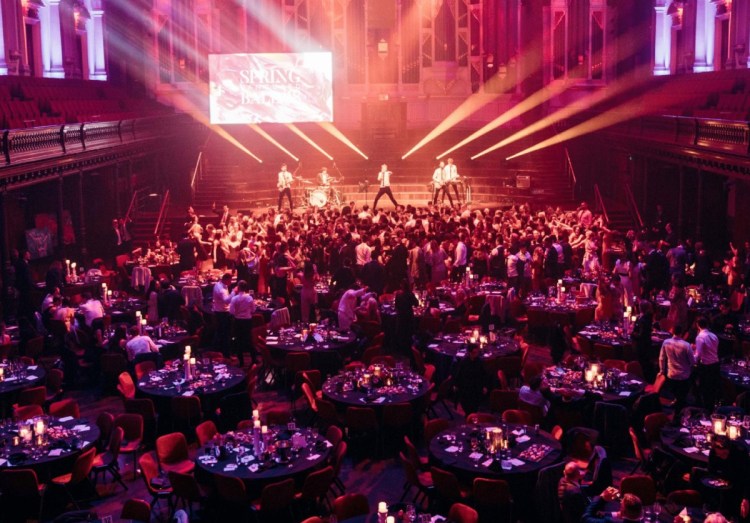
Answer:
(704, 36)
(662, 38)
(52, 49)
(95, 31)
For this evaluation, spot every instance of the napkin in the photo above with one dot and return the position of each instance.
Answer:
(433, 346)
(328, 444)
(272, 338)
(517, 462)
(461, 353)
(475, 455)
(381, 399)
(30, 378)
(12, 378)
(272, 342)
(625, 393)
(522, 439)
(81, 428)
(506, 464)
(452, 449)
(518, 432)
(32, 367)
(55, 452)
(231, 467)
(66, 418)
(253, 467)
(488, 462)
(313, 457)
(685, 430)
(3, 462)
(690, 450)
(188, 393)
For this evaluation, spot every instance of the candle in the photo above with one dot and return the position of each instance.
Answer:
(256, 415)
(595, 368)
(186, 357)
(264, 430)
(39, 427)
(733, 431)
(390, 519)
(256, 424)
(718, 423)
(382, 507)
(25, 434)
(192, 361)
(2, 372)
(589, 376)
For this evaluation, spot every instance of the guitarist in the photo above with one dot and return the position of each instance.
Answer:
(440, 182)
(284, 185)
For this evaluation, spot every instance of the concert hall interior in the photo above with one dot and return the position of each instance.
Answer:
(150, 148)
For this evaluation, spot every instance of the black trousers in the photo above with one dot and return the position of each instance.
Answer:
(242, 339)
(288, 193)
(444, 190)
(680, 389)
(708, 383)
(384, 191)
(223, 332)
(455, 190)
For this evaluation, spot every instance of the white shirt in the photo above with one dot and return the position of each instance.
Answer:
(285, 180)
(384, 177)
(364, 253)
(242, 306)
(511, 264)
(450, 173)
(347, 305)
(460, 254)
(437, 176)
(92, 310)
(221, 298)
(706, 348)
(139, 345)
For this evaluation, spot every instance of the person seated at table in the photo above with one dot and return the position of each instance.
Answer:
(571, 498)
(169, 301)
(92, 309)
(726, 321)
(369, 310)
(470, 378)
(729, 461)
(460, 303)
(533, 394)
(139, 344)
(96, 273)
(116, 342)
(49, 299)
(631, 508)
(62, 311)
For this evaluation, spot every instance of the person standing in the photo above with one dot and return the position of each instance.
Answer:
(676, 362)
(460, 259)
(284, 184)
(641, 336)
(708, 372)
(242, 308)
(220, 307)
(441, 184)
(384, 179)
(450, 177)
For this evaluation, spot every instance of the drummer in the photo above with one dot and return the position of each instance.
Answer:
(324, 179)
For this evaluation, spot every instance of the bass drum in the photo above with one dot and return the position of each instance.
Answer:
(318, 198)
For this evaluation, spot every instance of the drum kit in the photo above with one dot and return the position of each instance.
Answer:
(321, 195)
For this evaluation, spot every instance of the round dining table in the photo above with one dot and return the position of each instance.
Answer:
(16, 376)
(570, 384)
(612, 335)
(327, 348)
(362, 388)
(209, 382)
(737, 372)
(50, 452)
(285, 452)
(446, 349)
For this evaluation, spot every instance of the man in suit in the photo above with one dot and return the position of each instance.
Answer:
(569, 494)
(631, 508)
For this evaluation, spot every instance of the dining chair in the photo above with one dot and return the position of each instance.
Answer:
(447, 488)
(125, 385)
(518, 416)
(460, 513)
(132, 426)
(641, 485)
(350, 506)
(142, 368)
(54, 385)
(685, 498)
(339, 454)
(275, 501)
(172, 453)
(32, 396)
(502, 400)
(135, 509)
(315, 487)
(78, 475)
(362, 425)
(155, 486)
(146, 408)
(23, 495)
(27, 412)
(277, 416)
(186, 491)
(205, 432)
(186, 410)
(65, 408)
(481, 417)
(415, 479)
(106, 423)
(434, 427)
(107, 461)
(492, 499)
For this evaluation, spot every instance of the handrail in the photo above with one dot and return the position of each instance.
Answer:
(570, 172)
(197, 170)
(162, 215)
(132, 206)
(599, 203)
(633, 206)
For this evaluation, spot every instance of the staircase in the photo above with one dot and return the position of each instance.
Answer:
(144, 223)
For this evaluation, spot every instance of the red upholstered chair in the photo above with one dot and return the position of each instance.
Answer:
(460, 513)
(136, 510)
(172, 453)
(27, 412)
(79, 474)
(517, 416)
(481, 417)
(447, 487)
(132, 426)
(642, 486)
(65, 408)
(205, 432)
(21, 485)
(107, 461)
(350, 506)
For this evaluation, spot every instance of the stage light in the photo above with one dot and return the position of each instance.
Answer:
(271, 139)
(330, 128)
(309, 140)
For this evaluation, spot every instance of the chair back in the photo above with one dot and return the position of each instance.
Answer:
(397, 415)
(615, 364)
(334, 435)
(481, 417)
(502, 400)
(491, 491)
(278, 416)
(82, 466)
(136, 510)
(63, 408)
(297, 361)
(172, 448)
(187, 408)
(125, 385)
(184, 486)
(106, 423)
(27, 412)
(434, 427)
(277, 496)
(310, 397)
(350, 506)
(150, 471)
(685, 498)
(115, 440)
(205, 432)
(446, 484)
(144, 367)
(280, 318)
(641, 485)
(32, 396)
(634, 368)
(361, 419)
(316, 484)
(652, 425)
(520, 417)
(132, 426)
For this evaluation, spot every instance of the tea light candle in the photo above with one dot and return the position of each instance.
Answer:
(718, 426)
(25, 434)
(73, 266)
(264, 430)
(390, 519)
(186, 357)
(475, 334)
(733, 431)
(382, 507)
(377, 370)
(595, 369)
(192, 361)
(16, 441)
(256, 415)
(188, 350)
(39, 427)
(2, 372)
(589, 375)
(256, 424)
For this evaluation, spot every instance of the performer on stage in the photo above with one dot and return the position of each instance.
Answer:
(441, 184)
(450, 172)
(384, 179)
(285, 186)
(324, 179)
